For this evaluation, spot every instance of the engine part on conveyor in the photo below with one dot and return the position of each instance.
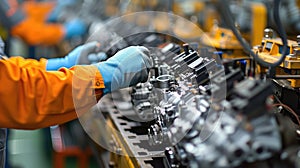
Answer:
(240, 136)
(173, 90)
(142, 98)
(222, 120)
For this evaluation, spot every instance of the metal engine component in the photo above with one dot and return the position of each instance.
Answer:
(142, 99)
(200, 127)
(244, 132)
(173, 91)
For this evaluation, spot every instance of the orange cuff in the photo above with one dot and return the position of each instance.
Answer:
(82, 77)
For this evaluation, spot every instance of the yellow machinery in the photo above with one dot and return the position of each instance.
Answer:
(259, 22)
(204, 15)
(222, 39)
(271, 50)
(120, 157)
(286, 80)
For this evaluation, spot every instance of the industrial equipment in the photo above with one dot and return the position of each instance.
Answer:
(217, 102)
(195, 113)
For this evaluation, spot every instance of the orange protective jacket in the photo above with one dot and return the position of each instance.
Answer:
(31, 97)
(33, 28)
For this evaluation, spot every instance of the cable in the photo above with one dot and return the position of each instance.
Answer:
(170, 6)
(228, 18)
(289, 110)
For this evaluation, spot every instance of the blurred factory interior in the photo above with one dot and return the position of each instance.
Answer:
(222, 91)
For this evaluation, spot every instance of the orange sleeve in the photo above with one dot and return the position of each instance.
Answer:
(24, 63)
(33, 98)
(38, 10)
(34, 32)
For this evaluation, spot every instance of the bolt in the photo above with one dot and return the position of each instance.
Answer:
(118, 150)
(268, 33)
(186, 48)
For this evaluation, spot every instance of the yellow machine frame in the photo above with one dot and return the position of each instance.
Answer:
(270, 51)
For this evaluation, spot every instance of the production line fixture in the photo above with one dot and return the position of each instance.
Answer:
(196, 112)
(286, 76)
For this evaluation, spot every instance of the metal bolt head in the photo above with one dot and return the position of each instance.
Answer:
(237, 26)
(268, 33)
(119, 150)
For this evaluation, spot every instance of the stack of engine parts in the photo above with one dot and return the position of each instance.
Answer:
(210, 116)
(196, 111)
(245, 133)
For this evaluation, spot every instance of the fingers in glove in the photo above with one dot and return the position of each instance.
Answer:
(87, 49)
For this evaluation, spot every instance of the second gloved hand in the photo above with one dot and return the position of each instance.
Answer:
(74, 27)
(79, 56)
(126, 68)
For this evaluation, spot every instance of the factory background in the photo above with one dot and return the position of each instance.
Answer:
(223, 90)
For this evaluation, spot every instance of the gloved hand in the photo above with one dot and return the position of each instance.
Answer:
(75, 27)
(126, 68)
(79, 56)
(96, 57)
(59, 7)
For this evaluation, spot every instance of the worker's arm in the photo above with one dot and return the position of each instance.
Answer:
(79, 56)
(27, 63)
(33, 98)
(36, 31)
(39, 10)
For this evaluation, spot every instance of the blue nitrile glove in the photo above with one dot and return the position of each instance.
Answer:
(97, 57)
(59, 7)
(126, 68)
(79, 56)
(75, 27)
